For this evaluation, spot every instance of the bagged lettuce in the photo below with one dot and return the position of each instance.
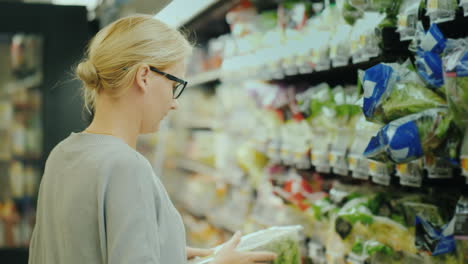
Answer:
(432, 239)
(456, 79)
(284, 241)
(408, 138)
(409, 98)
(392, 91)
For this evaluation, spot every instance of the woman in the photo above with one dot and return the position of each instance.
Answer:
(99, 200)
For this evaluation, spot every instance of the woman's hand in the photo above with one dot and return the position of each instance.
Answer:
(229, 255)
(197, 252)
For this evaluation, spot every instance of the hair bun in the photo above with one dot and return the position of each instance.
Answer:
(86, 72)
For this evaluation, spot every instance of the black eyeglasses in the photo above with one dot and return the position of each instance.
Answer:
(178, 88)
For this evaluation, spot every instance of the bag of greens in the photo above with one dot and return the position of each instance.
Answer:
(408, 138)
(456, 79)
(392, 91)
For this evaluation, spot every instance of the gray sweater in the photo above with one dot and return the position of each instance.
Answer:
(100, 202)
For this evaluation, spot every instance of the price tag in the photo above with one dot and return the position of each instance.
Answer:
(362, 169)
(412, 180)
(320, 161)
(401, 169)
(379, 172)
(464, 165)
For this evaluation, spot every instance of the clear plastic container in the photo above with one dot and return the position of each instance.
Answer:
(284, 241)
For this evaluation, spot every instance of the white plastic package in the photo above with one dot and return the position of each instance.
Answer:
(284, 241)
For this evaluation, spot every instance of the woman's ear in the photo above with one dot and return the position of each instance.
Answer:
(142, 78)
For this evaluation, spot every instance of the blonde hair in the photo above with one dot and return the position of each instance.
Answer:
(116, 52)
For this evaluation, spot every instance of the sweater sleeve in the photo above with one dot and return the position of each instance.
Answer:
(131, 214)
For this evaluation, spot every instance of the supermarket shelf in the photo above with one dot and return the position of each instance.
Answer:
(195, 166)
(211, 22)
(26, 83)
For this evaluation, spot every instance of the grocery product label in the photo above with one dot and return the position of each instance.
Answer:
(379, 172)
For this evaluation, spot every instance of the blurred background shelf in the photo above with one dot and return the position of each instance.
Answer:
(204, 78)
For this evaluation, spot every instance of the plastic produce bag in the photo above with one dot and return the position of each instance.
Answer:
(434, 240)
(441, 10)
(407, 19)
(284, 241)
(433, 40)
(408, 138)
(409, 98)
(456, 79)
(392, 91)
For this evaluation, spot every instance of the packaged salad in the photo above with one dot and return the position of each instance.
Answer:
(392, 91)
(408, 138)
(456, 79)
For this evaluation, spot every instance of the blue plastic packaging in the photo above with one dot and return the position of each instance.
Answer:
(429, 66)
(434, 40)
